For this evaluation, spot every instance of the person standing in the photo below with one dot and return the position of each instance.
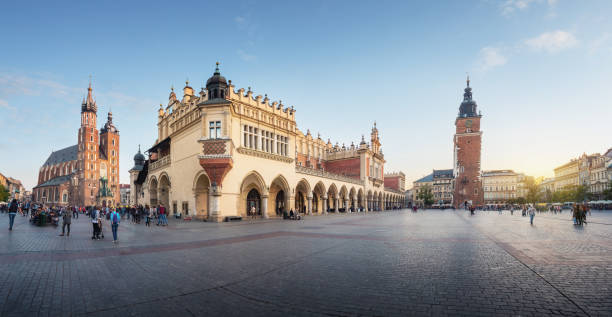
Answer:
(115, 219)
(253, 212)
(94, 214)
(147, 212)
(531, 214)
(67, 220)
(13, 209)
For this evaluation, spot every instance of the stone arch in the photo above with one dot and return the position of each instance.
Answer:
(164, 188)
(318, 193)
(303, 196)
(201, 191)
(252, 180)
(332, 198)
(343, 199)
(153, 183)
(279, 193)
(360, 200)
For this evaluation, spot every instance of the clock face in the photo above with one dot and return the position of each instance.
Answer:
(468, 123)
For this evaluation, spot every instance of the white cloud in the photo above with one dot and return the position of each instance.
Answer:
(245, 56)
(552, 42)
(490, 57)
(5, 105)
(239, 20)
(510, 6)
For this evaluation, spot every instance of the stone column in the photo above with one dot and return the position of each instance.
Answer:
(215, 202)
(193, 210)
(324, 200)
(264, 206)
(309, 207)
(337, 201)
(347, 207)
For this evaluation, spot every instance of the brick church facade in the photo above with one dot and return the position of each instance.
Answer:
(87, 173)
(467, 153)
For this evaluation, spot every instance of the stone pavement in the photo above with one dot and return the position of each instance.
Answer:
(381, 264)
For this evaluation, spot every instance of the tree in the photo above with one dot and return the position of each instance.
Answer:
(4, 193)
(425, 194)
(533, 191)
(580, 193)
(607, 194)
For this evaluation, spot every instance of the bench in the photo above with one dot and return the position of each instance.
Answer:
(233, 218)
(188, 218)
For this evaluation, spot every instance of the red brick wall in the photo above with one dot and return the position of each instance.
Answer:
(467, 184)
(347, 167)
(302, 158)
(392, 182)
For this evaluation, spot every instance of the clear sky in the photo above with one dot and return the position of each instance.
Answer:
(541, 73)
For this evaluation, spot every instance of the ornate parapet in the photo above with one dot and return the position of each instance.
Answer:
(164, 161)
(265, 155)
(324, 174)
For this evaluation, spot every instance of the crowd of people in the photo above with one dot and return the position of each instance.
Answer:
(41, 215)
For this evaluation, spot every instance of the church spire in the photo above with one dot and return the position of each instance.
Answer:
(89, 104)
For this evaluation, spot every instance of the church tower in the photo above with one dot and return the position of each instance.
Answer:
(109, 152)
(88, 173)
(467, 153)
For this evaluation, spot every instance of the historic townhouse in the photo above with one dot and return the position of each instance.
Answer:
(223, 151)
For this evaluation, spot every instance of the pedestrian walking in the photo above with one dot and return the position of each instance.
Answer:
(252, 212)
(147, 211)
(66, 221)
(13, 209)
(115, 219)
(531, 214)
(94, 214)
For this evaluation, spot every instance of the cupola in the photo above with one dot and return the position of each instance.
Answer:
(216, 85)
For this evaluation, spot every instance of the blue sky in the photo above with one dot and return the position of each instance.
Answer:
(541, 73)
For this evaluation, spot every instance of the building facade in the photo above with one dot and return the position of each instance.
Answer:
(225, 152)
(443, 187)
(87, 173)
(500, 186)
(124, 191)
(567, 175)
(14, 187)
(420, 185)
(467, 153)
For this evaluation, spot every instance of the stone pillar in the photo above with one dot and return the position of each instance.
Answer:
(347, 207)
(193, 210)
(309, 207)
(337, 201)
(264, 206)
(215, 202)
(324, 200)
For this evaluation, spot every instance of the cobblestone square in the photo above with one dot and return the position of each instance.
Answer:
(399, 263)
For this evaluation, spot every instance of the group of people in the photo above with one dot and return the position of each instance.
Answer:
(579, 212)
(41, 214)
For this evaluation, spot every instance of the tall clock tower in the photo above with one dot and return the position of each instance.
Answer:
(467, 153)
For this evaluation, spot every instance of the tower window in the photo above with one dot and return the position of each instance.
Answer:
(91, 138)
(214, 129)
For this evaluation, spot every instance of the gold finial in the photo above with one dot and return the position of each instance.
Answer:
(217, 63)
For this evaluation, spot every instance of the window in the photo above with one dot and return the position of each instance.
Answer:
(214, 129)
(185, 208)
(113, 141)
(91, 138)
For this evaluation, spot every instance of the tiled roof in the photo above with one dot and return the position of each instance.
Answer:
(443, 173)
(56, 181)
(428, 178)
(63, 155)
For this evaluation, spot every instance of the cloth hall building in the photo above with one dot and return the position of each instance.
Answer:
(224, 152)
